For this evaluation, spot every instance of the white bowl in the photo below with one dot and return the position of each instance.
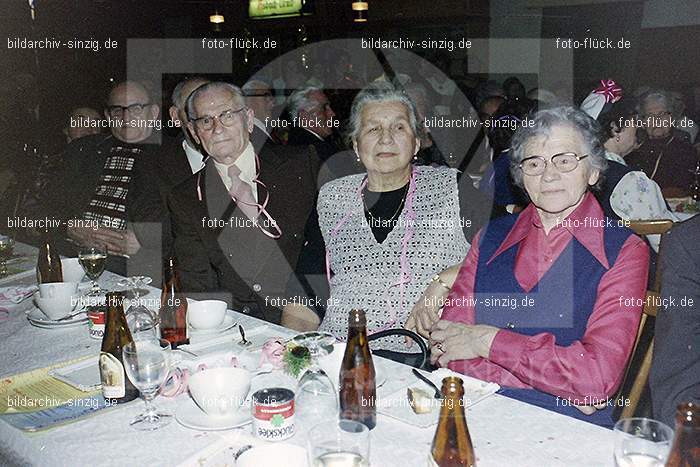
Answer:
(206, 314)
(270, 455)
(72, 270)
(220, 392)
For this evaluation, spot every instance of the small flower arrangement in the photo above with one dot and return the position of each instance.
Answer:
(296, 358)
(289, 356)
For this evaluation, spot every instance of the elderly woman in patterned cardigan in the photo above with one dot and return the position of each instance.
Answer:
(384, 234)
(547, 302)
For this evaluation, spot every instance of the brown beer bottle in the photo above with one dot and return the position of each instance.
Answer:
(452, 445)
(358, 389)
(685, 451)
(116, 386)
(173, 307)
(48, 265)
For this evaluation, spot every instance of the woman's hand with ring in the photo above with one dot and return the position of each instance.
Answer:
(458, 341)
(426, 311)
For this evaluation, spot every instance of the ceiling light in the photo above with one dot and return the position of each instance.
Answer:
(360, 10)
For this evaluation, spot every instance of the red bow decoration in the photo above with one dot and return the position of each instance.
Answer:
(610, 90)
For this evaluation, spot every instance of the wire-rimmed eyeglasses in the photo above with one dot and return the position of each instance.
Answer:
(226, 118)
(134, 109)
(564, 162)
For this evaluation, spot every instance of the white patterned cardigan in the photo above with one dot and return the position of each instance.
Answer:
(363, 270)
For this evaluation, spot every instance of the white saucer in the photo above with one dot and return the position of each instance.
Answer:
(189, 415)
(40, 320)
(225, 325)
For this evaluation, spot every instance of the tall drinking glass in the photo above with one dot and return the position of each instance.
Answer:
(93, 260)
(7, 245)
(316, 399)
(146, 362)
(339, 443)
(641, 442)
(141, 320)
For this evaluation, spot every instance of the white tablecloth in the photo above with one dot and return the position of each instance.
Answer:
(504, 432)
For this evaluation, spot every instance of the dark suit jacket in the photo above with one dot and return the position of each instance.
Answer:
(218, 253)
(301, 137)
(71, 190)
(174, 167)
(675, 371)
(260, 139)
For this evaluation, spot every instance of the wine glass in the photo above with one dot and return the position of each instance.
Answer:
(339, 442)
(641, 441)
(316, 399)
(7, 244)
(146, 362)
(139, 318)
(93, 260)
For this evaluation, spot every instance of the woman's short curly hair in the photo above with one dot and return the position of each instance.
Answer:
(541, 125)
(380, 91)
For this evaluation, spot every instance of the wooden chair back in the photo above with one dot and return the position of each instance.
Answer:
(633, 384)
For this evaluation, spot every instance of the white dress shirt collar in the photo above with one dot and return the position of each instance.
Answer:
(313, 133)
(194, 157)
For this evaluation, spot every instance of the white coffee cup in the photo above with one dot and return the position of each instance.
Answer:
(206, 314)
(55, 290)
(220, 392)
(72, 270)
(269, 455)
(56, 308)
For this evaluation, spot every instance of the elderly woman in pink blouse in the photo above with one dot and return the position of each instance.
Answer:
(547, 302)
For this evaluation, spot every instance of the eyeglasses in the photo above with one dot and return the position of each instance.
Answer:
(658, 116)
(259, 94)
(134, 109)
(226, 118)
(564, 162)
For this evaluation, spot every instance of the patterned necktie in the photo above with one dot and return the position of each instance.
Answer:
(242, 194)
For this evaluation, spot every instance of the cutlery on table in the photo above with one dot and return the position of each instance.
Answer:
(244, 342)
(241, 451)
(72, 315)
(438, 393)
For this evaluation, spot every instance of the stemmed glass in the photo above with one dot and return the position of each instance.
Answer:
(7, 244)
(146, 362)
(139, 318)
(93, 260)
(316, 399)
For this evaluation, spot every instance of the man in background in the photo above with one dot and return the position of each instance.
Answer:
(106, 194)
(260, 99)
(313, 121)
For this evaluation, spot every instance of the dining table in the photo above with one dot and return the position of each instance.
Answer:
(504, 431)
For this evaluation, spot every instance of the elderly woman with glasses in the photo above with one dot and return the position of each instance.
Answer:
(383, 234)
(666, 157)
(547, 302)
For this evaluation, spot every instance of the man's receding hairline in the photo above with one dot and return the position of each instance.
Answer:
(204, 92)
(126, 85)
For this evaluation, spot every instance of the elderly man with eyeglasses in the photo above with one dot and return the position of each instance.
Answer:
(105, 195)
(667, 157)
(238, 224)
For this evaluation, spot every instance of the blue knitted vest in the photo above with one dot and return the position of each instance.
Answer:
(560, 304)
